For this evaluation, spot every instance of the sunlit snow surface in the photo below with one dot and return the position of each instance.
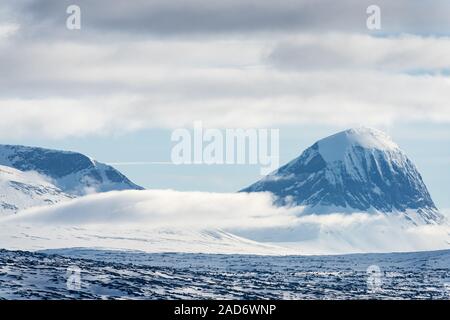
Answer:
(423, 275)
(331, 147)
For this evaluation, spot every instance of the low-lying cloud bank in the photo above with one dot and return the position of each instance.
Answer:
(164, 208)
(250, 216)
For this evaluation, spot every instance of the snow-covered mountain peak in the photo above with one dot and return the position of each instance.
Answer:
(72, 172)
(335, 147)
(32, 176)
(357, 170)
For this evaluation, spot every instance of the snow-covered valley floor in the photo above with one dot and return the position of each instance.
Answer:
(137, 275)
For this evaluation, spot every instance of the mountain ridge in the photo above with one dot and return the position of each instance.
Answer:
(74, 173)
(34, 176)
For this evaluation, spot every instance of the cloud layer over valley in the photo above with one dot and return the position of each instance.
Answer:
(153, 214)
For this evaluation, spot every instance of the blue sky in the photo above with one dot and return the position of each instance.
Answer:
(116, 88)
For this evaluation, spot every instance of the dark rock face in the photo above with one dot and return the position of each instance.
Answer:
(55, 164)
(356, 177)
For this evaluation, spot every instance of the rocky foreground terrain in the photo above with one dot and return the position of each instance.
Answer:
(93, 274)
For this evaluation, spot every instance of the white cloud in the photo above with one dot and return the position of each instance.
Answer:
(251, 216)
(62, 117)
(446, 213)
(403, 53)
(8, 29)
(214, 17)
(164, 208)
(109, 88)
(270, 98)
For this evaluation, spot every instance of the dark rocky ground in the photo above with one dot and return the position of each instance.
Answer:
(132, 275)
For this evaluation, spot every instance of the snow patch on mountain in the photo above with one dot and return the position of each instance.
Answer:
(20, 190)
(335, 147)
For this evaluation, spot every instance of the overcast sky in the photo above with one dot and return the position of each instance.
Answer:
(138, 69)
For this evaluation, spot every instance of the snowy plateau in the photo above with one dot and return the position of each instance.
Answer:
(308, 230)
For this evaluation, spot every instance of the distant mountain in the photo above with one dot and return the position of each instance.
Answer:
(21, 190)
(358, 170)
(73, 173)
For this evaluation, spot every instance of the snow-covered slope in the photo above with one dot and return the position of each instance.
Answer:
(72, 172)
(20, 190)
(145, 239)
(358, 170)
